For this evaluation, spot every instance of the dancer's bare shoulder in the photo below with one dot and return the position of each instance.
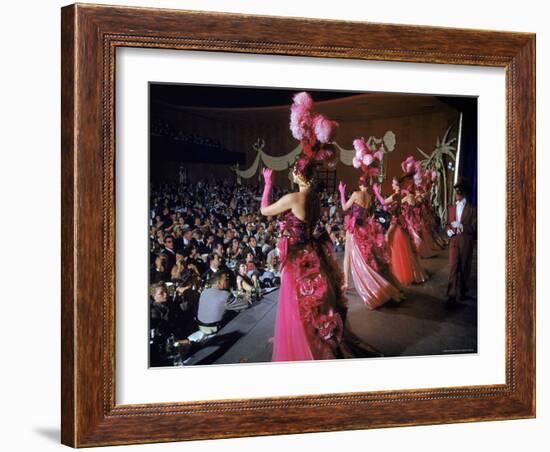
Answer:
(287, 202)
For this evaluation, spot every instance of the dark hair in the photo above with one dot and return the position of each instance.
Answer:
(305, 167)
(363, 180)
(216, 277)
(186, 277)
(212, 256)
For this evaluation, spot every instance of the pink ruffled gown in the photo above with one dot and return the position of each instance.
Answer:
(365, 248)
(422, 239)
(311, 313)
(404, 263)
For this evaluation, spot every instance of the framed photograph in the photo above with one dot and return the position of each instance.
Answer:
(261, 224)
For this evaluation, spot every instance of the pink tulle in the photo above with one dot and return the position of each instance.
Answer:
(290, 341)
(404, 264)
(422, 240)
(307, 326)
(282, 246)
(373, 289)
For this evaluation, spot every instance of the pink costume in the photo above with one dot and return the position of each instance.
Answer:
(365, 246)
(404, 264)
(311, 313)
(418, 231)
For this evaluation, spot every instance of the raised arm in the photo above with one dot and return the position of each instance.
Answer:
(378, 194)
(287, 202)
(345, 204)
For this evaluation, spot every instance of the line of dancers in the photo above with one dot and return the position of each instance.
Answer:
(311, 320)
(382, 263)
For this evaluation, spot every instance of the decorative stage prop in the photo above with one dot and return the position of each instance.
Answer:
(441, 160)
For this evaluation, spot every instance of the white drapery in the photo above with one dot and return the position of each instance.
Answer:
(277, 163)
(284, 162)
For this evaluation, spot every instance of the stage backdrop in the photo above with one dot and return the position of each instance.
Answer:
(205, 133)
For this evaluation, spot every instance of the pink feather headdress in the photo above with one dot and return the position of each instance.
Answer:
(421, 178)
(366, 159)
(314, 130)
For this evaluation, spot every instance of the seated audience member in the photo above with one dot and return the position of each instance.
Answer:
(160, 324)
(186, 303)
(336, 239)
(261, 235)
(213, 303)
(210, 243)
(159, 309)
(169, 251)
(188, 239)
(250, 264)
(245, 283)
(235, 251)
(159, 272)
(256, 250)
(219, 249)
(214, 263)
(195, 259)
(179, 267)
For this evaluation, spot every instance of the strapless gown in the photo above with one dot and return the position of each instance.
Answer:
(366, 250)
(311, 311)
(404, 263)
(421, 238)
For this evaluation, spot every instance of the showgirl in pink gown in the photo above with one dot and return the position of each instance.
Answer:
(366, 250)
(421, 238)
(312, 310)
(404, 263)
(431, 230)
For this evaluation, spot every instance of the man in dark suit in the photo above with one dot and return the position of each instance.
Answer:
(255, 249)
(169, 252)
(461, 230)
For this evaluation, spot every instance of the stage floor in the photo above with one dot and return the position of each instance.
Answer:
(420, 325)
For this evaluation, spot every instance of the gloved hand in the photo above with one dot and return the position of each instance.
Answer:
(267, 173)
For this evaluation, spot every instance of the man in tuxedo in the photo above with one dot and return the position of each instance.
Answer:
(214, 264)
(169, 252)
(461, 230)
(188, 239)
(255, 249)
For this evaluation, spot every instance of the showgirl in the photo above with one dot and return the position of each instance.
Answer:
(312, 310)
(366, 250)
(404, 263)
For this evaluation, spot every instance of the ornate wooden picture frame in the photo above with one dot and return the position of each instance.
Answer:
(90, 36)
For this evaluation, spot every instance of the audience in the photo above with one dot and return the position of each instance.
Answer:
(208, 240)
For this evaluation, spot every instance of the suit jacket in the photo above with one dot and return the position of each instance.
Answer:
(468, 219)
